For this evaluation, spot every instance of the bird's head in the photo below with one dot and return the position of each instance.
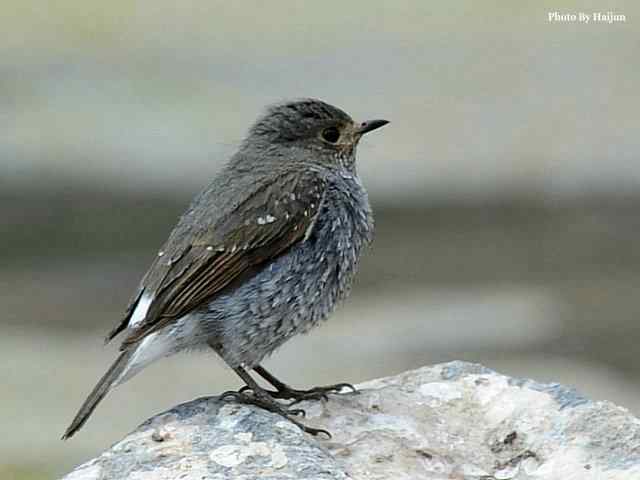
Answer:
(315, 130)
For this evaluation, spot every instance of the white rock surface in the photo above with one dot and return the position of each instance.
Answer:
(451, 421)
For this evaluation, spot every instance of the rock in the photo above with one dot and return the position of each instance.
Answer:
(451, 421)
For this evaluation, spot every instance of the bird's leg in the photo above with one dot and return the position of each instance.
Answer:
(285, 392)
(256, 395)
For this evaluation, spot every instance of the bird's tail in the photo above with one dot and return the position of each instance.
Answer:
(98, 392)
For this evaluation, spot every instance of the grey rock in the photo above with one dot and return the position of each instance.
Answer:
(450, 421)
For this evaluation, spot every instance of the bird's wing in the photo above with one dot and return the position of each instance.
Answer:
(195, 267)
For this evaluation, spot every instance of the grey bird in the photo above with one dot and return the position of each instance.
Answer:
(265, 252)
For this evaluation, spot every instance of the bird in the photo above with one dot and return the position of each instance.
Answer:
(265, 252)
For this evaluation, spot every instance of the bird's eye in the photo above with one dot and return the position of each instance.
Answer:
(331, 134)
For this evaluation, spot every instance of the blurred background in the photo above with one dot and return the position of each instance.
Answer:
(506, 191)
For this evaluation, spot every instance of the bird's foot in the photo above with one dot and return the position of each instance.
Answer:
(285, 392)
(315, 393)
(264, 400)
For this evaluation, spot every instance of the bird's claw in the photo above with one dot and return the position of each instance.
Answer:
(263, 400)
(316, 393)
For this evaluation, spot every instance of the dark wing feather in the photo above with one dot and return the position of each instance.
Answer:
(270, 220)
(122, 325)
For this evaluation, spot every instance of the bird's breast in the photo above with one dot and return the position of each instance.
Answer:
(343, 229)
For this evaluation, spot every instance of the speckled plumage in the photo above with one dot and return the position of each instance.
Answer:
(297, 290)
(265, 252)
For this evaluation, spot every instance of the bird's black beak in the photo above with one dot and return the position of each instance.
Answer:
(371, 125)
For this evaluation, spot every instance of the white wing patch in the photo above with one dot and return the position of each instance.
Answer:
(141, 310)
